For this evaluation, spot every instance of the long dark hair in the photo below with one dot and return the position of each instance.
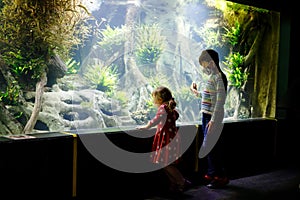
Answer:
(210, 54)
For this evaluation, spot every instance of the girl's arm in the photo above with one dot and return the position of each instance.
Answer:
(220, 97)
(161, 115)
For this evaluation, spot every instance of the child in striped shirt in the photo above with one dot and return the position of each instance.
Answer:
(213, 98)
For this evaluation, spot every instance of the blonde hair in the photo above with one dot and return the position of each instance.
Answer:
(165, 95)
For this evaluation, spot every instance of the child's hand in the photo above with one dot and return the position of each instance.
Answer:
(193, 86)
(142, 127)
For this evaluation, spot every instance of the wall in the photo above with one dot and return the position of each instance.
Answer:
(37, 168)
(59, 164)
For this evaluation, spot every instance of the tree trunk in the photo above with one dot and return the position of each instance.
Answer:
(264, 98)
(37, 104)
(133, 77)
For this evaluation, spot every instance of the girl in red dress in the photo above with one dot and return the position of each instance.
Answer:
(166, 143)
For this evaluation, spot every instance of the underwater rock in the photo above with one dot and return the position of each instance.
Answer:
(70, 109)
(56, 69)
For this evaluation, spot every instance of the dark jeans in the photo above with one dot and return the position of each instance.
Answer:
(215, 157)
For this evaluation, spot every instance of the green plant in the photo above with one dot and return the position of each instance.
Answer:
(158, 80)
(32, 31)
(24, 66)
(72, 66)
(112, 38)
(103, 78)
(232, 34)
(149, 44)
(11, 95)
(121, 97)
(148, 54)
(210, 35)
(184, 95)
(236, 76)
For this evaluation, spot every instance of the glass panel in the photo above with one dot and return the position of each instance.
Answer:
(124, 49)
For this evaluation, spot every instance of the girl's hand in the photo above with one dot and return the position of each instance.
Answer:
(209, 125)
(142, 127)
(193, 86)
(194, 89)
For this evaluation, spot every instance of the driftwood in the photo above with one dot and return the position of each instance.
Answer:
(37, 104)
(56, 69)
(8, 123)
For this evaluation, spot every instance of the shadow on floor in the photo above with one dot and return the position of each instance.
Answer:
(281, 184)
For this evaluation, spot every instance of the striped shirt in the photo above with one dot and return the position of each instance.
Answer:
(213, 97)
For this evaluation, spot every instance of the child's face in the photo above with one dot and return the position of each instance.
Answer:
(206, 67)
(157, 100)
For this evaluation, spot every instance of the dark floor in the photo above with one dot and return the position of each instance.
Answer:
(274, 185)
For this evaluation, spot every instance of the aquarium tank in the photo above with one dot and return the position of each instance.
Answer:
(92, 64)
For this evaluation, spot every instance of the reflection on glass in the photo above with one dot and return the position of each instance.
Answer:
(116, 52)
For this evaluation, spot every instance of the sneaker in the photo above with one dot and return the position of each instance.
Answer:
(218, 182)
(207, 179)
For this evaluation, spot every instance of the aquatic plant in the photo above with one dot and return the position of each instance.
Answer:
(111, 38)
(149, 46)
(11, 95)
(42, 28)
(103, 78)
(209, 35)
(232, 34)
(72, 66)
(236, 76)
(24, 68)
(150, 43)
(121, 97)
(32, 31)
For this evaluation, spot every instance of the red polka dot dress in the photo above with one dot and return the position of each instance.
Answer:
(165, 147)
